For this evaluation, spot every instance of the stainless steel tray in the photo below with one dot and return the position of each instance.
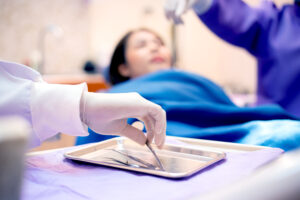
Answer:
(178, 161)
(217, 145)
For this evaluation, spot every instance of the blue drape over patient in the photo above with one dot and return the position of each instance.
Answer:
(198, 108)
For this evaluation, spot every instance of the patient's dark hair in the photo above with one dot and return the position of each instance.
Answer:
(119, 57)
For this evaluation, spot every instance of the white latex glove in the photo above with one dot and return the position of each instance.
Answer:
(108, 113)
(174, 9)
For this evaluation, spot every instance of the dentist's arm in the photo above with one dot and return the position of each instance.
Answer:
(53, 108)
(232, 20)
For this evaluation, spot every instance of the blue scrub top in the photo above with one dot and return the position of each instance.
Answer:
(270, 34)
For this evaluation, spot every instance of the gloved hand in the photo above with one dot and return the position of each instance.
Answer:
(108, 113)
(174, 9)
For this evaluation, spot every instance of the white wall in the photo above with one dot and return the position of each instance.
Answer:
(93, 27)
(202, 52)
(199, 50)
(111, 19)
(21, 22)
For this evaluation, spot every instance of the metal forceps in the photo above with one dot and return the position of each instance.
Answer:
(144, 163)
(155, 156)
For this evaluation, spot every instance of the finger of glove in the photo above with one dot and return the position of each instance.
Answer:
(171, 16)
(150, 127)
(180, 8)
(134, 134)
(169, 7)
(164, 134)
(159, 136)
(160, 139)
(159, 118)
(168, 14)
(178, 20)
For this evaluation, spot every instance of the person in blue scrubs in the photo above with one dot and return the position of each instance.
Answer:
(267, 32)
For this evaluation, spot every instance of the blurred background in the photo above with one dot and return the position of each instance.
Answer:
(61, 38)
(62, 35)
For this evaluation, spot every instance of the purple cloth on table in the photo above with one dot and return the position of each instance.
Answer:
(51, 176)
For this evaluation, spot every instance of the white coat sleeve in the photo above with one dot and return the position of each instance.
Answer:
(49, 108)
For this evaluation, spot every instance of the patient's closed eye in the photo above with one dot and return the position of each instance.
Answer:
(158, 42)
(140, 44)
(144, 43)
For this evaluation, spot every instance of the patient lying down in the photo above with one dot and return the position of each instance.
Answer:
(196, 107)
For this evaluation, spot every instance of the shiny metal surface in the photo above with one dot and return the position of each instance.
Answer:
(154, 154)
(178, 161)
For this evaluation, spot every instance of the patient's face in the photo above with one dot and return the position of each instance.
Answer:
(145, 53)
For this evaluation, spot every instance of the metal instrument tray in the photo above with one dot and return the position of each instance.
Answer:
(178, 161)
